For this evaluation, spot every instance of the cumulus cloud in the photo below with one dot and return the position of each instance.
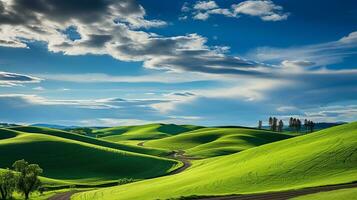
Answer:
(111, 28)
(266, 10)
(8, 79)
(205, 5)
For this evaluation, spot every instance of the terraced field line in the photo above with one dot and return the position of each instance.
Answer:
(284, 195)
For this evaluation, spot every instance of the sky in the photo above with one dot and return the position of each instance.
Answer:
(223, 62)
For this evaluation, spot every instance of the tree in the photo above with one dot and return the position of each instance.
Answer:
(28, 180)
(271, 123)
(291, 123)
(275, 124)
(7, 183)
(280, 126)
(306, 125)
(298, 125)
(311, 126)
(260, 124)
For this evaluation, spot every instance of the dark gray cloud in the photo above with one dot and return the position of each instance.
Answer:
(23, 11)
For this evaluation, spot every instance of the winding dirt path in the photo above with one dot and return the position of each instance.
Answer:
(283, 195)
(177, 155)
(141, 144)
(63, 196)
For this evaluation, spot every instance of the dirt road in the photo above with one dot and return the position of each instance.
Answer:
(283, 195)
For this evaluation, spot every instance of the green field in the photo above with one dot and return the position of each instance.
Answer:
(210, 142)
(73, 159)
(232, 160)
(321, 158)
(342, 194)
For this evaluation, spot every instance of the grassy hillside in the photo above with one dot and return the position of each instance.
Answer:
(143, 132)
(74, 161)
(210, 142)
(342, 194)
(81, 138)
(325, 157)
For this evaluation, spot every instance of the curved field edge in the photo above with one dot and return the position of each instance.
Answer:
(326, 157)
(342, 194)
(67, 162)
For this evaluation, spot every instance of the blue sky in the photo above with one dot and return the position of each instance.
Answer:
(223, 62)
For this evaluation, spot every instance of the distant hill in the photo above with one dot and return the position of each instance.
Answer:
(5, 125)
(55, 126)
(143, 132)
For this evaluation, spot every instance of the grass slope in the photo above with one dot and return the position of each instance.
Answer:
(73, 161)
(143, 132)
(342, 194)
(210, 142)
(325, 157)
(90, 140)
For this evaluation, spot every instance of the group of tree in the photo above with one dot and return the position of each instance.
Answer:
(22, 178)
(275, 124)
(294, 124)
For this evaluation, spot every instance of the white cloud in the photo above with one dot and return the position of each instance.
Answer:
(201, 16)
(264, 9)
(205, 5)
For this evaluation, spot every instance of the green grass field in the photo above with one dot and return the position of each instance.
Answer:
(321, 158)
(73, 159)
(143, 132)
(210, 142)
(77, 137)
(342, 194)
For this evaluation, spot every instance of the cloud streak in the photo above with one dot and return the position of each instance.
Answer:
(8, 79)
(321, 54)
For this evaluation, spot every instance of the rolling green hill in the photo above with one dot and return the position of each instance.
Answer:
(74, 159)
(321, 158)
(90, 140)
(210, 142)
(143, 132)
